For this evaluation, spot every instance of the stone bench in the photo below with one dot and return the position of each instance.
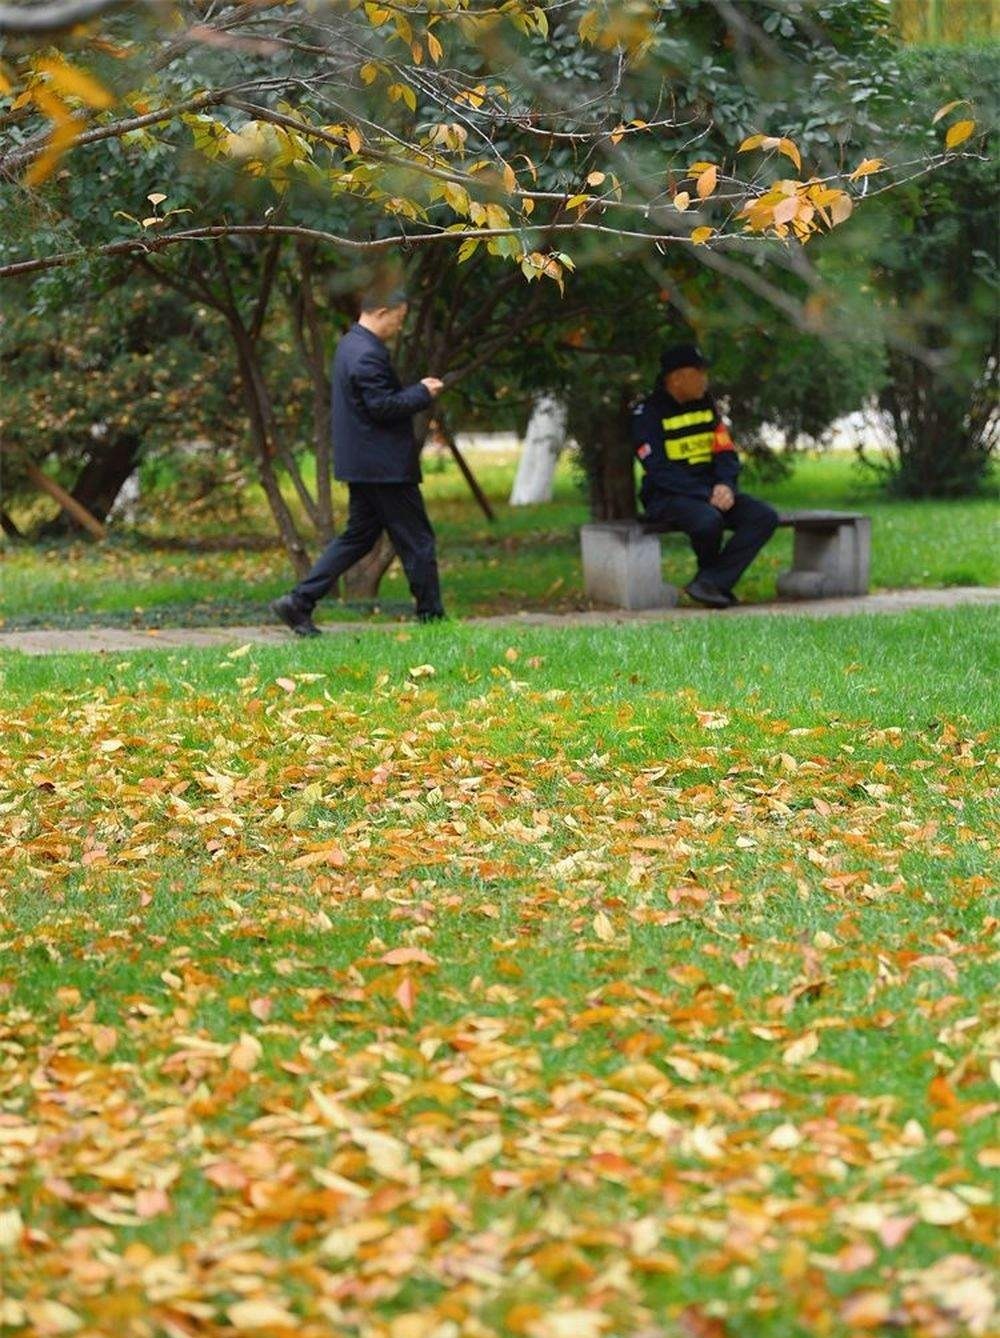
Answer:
(831, 556)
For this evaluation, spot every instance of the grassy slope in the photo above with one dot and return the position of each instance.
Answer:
(528, 559)
(705, 1028)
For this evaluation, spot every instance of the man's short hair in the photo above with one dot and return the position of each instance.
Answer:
(374, 299)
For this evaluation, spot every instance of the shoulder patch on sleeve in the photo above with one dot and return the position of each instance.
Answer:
(644, 451)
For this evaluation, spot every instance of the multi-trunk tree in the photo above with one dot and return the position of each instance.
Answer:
(263, 155)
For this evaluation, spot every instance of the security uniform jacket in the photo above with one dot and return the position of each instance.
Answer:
(371, 416)
(685, 449)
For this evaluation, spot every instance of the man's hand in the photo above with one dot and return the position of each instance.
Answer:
(722, 497)
(434, 384)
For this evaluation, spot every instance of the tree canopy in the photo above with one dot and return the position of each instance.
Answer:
(526, 130)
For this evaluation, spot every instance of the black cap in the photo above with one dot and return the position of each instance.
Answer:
(681, 355)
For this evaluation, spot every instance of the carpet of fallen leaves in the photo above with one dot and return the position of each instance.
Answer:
(409, 1014)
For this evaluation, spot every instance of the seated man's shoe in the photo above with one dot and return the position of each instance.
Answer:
(706, 593)
(294, 616)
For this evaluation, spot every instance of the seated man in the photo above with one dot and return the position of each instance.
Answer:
(691, 467)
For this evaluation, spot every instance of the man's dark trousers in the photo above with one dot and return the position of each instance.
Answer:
(752, 522)
(397, 508)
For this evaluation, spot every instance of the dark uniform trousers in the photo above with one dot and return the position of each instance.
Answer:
(752, 522)
(397, 508)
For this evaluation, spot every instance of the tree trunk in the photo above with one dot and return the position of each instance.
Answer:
(363, 579)
(8, 526)
(100, 481)
(543, 444)
(612, 487)
(276, 445)
(607, 457)
(98, 486)
(251, 379)
(263, 433)
(68, 503)
(463, 465)
(309, 338)
(944, 441)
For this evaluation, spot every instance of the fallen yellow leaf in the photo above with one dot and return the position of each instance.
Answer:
(801, 1049)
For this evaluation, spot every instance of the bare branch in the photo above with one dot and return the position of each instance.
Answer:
(151, 245)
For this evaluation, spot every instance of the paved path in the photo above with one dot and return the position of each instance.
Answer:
(116, 639)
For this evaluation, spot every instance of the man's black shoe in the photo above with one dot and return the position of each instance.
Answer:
(432, 616)
(294, 616)
(706, 593)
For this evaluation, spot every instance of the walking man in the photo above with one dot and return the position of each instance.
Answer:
(375, 454)
(690, 477)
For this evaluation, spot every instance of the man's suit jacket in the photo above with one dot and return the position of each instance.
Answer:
(371, 413)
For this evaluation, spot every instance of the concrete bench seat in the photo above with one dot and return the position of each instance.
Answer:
(831, 557)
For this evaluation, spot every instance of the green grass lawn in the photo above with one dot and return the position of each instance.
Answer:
(527, 559)
(602, 983)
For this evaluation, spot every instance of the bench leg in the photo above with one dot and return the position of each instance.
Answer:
(829, 563)
(621, 567)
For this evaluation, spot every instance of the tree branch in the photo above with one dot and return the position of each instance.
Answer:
(264, 296)
(151, 245)
(116, 129)
(39, 20)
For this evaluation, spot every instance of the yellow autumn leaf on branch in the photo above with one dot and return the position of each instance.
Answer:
(707, 182)
(786, 210)
(958, 133)
(866, 167)
(73, 82)
(589, 26)
(841, 208)
(59, 141)
(948, 107)
(788, 148)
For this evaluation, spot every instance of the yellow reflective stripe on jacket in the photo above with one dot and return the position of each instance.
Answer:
(696, 448)
(688, 419)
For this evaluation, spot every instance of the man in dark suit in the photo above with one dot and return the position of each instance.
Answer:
(375, 453)
(690, 472)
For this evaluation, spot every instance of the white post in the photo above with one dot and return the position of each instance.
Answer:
(125, 507)
(543, 443)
